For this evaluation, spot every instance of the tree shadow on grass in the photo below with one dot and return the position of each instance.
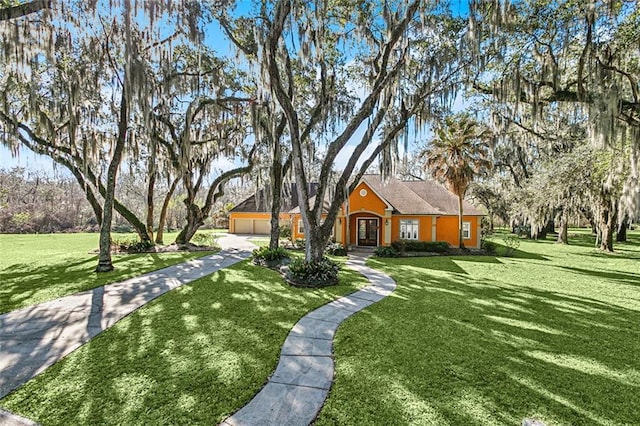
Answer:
(504, 251)
(464, 350)
(622, 277)
(618, 253)
(192, 356)
(25, 284)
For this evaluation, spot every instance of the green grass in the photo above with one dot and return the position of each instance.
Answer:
(41, 267)
(192, 356)
(551, 333)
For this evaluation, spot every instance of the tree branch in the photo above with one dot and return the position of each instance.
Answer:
(18, 11)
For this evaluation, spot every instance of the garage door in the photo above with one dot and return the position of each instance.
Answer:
(261, 226)
(243, 226)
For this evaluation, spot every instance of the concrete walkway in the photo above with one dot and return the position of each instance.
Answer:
(34, 338)
(296, 391)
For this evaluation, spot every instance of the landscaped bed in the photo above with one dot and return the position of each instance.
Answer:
(192, 356)
(551, 333)
(41, 267)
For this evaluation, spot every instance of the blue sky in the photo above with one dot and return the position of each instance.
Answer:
(215, 39)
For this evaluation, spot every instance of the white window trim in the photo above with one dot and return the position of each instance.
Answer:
(300, 227)
(466, 233)
(415, 222)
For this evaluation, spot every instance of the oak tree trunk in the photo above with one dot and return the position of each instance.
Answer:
(150, 192)
(621, 234)
(195, 219)
(316, 243)
(563, 231)
(104, 258)
(163, 213)
(606, 223)
(133, 220)
(276, 196)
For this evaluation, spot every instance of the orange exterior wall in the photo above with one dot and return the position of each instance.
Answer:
(370, 202)
(285, 219)
(424, 227)
(294, 228)
(447, 230)
(369, 206)
(253, 215)
(241, 215)
(353, 227)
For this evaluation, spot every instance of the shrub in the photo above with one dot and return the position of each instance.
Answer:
(420, 246)
(313, 274)
(130, 245)
(300, 243)
(399, 245)
(285, 231)
(512, 242)
(336, 249)
(266, 254)
(386, 251)
(205, 239)
(489, 247)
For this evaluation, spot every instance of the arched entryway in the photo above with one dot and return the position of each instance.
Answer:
(366, 229)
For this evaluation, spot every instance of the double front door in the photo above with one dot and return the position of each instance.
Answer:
(368, 232)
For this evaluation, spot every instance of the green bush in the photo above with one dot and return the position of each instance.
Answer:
(285, 231)
(205, 239)
(313, 274)
(489, 247)
(386, 251)
(130, 245)
(512, 242)
(300, 243)
(270, 255)
(336, 249)
(420, 246)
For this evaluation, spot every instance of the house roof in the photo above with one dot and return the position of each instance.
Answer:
(418, 197)
(405, 197)
(325, 206)
(259, 203)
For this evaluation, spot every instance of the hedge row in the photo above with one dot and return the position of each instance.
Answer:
(420, 246)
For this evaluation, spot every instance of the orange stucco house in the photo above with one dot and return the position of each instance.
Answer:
(377, 213)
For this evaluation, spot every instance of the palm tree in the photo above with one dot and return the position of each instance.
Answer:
(457, 153)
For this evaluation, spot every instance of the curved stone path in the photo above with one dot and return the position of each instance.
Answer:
(296, 391)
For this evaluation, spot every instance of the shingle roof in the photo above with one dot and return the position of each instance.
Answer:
(419, 197)
(325, 206)
(406, 197)
(259, 203)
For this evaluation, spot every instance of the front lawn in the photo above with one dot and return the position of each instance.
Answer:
(192, 356)
(552, 334)
(38, 267)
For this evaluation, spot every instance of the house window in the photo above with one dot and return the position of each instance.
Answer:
(466, 230)
(300, 227)
(409, 229)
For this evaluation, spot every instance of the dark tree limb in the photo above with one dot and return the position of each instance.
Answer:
(18, 11)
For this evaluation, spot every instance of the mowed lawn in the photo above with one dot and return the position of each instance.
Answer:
(190, 357)
(552, 334)
(41, 267)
